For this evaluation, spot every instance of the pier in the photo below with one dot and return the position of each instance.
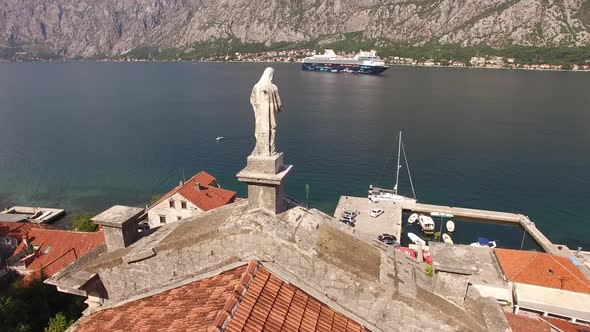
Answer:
(31, 214)
(391, 222)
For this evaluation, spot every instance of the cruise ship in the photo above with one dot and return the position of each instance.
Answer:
(362, 63)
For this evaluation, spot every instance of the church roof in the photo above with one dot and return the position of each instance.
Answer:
(304, 249)
(244, 298)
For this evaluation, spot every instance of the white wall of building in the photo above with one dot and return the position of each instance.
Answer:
(172, 214)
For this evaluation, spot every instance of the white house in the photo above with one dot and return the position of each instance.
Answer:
(200, 193)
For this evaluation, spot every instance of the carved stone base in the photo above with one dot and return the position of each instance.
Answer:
(268, 164)
(264, 176)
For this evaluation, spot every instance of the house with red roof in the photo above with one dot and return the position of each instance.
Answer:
(200, 193)
(546, 284)
(29, 249)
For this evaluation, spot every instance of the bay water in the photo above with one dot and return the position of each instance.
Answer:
(86, 136)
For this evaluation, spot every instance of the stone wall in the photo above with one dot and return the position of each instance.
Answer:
(393, 296)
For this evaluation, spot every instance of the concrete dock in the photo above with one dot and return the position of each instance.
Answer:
(389, 222)
(35, 215)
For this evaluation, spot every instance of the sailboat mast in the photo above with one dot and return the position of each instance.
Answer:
(399, 150)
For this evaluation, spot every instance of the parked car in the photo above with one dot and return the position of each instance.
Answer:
(376, 213)
(387, 239)
(350, 213)
(348, 220)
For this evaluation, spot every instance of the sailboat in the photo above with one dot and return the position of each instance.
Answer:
(379, 194)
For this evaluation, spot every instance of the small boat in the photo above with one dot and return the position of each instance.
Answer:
(426, 223)
(484, 242)
(441, 215)
(416, 239)
(450, 226)
(412, 219)
(219, 138)
(406, 251)
(447, 238)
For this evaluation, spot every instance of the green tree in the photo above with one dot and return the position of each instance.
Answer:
(28, 308)
(82, 223)
(59, 323)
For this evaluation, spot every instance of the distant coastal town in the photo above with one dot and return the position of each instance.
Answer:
(494, 62)
(297, 55)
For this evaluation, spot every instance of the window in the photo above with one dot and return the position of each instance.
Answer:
(183, 204)
(162, 219)
(171, 203)
(178, 217)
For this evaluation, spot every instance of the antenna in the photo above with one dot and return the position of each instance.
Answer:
(182, 170)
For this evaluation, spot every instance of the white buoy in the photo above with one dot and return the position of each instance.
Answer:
(450, 226)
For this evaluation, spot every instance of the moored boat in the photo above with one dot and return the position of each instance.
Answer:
(416, 239)
(484, 242)
(413, 217)
(450, 226)
(426, 223)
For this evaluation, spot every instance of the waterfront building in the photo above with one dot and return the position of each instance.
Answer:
(200, 193)
(546, 283)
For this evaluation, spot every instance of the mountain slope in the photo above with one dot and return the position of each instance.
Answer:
(87, 28)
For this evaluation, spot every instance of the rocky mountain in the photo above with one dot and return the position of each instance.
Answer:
(74, 28)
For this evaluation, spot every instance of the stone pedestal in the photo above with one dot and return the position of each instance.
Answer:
(264, 176)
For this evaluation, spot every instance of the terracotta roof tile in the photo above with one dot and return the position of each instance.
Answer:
(542, 269)
(57, 248)
(566, 326)
(195, 308)
(520, 323)
(207, 197)
(268, 304)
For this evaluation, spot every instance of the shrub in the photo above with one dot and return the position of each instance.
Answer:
(82, 223)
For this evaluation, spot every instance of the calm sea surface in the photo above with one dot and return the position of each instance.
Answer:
(85, 136)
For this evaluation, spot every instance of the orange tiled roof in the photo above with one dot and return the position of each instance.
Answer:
(17, 229)
(520, 323)
(258, 300)
(58, 248)
(566, 326)
(541, 269)
(208, 197)
(192, 307)
(273, 305)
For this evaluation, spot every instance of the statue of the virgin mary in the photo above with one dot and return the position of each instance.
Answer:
(266, 103)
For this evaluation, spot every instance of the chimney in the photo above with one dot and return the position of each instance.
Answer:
(198, 186)
(181, 182)
(120, 225)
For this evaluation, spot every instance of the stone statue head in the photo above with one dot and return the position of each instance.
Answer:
(266, 78)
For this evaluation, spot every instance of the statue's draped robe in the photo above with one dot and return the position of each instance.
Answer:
(266, 103)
